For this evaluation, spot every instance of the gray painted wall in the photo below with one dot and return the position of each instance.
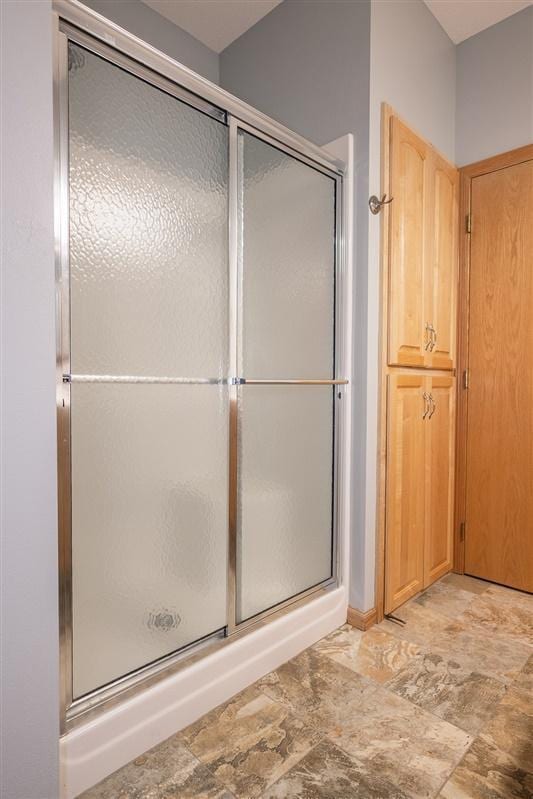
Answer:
(30, 650)
(495, 89)
(151, 27)
(307, 65)
(412, 69)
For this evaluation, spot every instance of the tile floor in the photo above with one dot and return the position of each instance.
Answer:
(442, 706)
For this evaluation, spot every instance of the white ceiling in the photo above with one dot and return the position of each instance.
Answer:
(464, 18)
(216, 23)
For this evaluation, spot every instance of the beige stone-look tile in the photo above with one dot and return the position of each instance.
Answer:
(421, 626)
(169, 771)
(493, 655)
(524, 680)
(496, 612)
(512, 596)
(312, 685)
(466, 583)
(445, 599)
(511, 728)
(462, 697)
(487, 772)
(249, 742)
(326, 772)
(375, 653)
(406, 745)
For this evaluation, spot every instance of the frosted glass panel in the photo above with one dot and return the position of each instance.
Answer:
(148, 216)
(149, 515)
(288, 255)
(285, 494)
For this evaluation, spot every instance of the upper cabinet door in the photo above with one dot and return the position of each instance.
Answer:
(440, 274)
(408, 215)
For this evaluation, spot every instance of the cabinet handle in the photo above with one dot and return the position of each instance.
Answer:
(426, 404)
(427, 342)
(433, 406)
(432, 339)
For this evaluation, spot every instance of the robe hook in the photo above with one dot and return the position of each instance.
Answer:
(375, 204)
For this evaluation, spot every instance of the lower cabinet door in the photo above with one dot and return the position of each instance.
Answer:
(405, 493)
(440, 449)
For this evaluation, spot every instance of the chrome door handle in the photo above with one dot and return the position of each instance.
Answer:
(433, 406)
(426, 404)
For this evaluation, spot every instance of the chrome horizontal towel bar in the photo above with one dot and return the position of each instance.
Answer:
(191, 381)
(280, 382)
(150, 380)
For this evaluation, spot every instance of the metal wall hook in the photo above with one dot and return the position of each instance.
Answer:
(375, 204)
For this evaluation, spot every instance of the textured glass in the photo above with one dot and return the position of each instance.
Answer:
(285, 493)
(148, 216)
(288, 257)
(149, 517)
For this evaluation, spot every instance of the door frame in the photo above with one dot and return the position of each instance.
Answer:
(466, 175)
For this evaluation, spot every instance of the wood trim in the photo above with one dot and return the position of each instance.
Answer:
(467, 173)
(500, 161)
(386, 114)
(462, 365)
(360, 620)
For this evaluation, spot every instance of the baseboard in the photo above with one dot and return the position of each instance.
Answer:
(360, 620)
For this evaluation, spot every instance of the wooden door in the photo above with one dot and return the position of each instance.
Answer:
(441, 262)
(440, 449)
(404, 525)
(499, 457)
(408, 211)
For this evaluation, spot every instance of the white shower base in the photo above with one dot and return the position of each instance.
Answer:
(92, 751)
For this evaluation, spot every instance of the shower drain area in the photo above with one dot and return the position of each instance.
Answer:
(163, 620)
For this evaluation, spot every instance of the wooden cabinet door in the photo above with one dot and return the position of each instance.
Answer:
(440, 450)
(404, 531)
(408, 212)
(440, 273)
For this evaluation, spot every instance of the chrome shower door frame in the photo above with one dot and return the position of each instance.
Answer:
(77, 23)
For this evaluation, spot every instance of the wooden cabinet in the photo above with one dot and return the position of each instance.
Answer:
(420, 240)
(419, 496)
(423, 251)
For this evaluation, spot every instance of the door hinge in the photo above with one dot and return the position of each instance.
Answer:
(466, 378)
(468, 223)
(462, 528)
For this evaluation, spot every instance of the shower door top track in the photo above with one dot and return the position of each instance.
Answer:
(74, 16)
(77, 24)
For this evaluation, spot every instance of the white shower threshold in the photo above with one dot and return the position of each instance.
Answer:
(94, 750)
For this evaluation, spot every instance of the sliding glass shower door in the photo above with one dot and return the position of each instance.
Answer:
(286, 356)
(149, 361)
(198, 397)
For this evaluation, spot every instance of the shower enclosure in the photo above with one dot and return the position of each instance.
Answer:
(199, 271)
